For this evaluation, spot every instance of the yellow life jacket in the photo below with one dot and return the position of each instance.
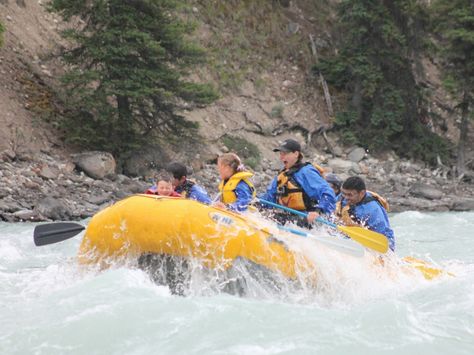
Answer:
(290, 193)
(344, 214)
(227, 188)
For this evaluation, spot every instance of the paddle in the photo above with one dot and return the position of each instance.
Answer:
(366, 237)
(343, 245)
(50, 233)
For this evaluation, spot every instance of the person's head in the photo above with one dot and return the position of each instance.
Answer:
(179, 172)
(334, 181)
(228, 164)
(353, 190)
(290, 153)
(164, 186)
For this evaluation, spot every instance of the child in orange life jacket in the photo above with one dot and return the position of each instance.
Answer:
(236, 190)
(163, 186)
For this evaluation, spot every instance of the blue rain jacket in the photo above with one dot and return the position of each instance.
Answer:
(195, 193)
(313, 185)
(374, 217)
(244, 195)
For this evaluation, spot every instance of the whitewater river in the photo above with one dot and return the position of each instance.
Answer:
(49, 305)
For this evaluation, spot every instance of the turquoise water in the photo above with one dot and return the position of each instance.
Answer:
(48, 305)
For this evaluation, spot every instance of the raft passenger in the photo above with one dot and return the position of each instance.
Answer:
(357, 206)
(163, 186)
(335, 182)
(299, 186)
(185, 187)
(236, 191)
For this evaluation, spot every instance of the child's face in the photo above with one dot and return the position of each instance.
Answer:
(164, 188)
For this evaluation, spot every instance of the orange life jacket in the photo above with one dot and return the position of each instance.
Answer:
(290, 193)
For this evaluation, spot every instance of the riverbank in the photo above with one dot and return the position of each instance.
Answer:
(45, 187)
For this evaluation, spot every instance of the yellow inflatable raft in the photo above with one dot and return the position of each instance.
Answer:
(148, 224)
(175, 227)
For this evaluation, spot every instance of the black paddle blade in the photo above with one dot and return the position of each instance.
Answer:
(50, 233)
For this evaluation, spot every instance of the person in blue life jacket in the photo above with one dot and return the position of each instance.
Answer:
(335, 182)
(184, 186)
(236, 191)
(299, 186)
(360, 207)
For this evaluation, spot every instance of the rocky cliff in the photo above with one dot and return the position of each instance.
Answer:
(272, 96)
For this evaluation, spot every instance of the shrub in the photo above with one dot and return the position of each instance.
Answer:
(247, 151)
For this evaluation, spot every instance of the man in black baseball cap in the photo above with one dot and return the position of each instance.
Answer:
(299, 186)
(289, 145)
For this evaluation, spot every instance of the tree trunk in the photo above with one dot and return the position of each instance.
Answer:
(124, 119)
(322, 81)
(356, 101)
(461, 160)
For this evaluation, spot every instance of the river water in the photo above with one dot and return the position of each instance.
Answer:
(49, 305)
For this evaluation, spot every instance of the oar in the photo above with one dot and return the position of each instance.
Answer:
(347, 246)
(50, 233)
(366, 237)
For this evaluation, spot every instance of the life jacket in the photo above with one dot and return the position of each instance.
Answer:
(319, 168)
(151, 191)
(185, 189)
(227, 187)
(346, 213)
(290, 193)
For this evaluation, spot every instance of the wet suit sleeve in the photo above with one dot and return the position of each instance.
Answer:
(244, 197)
(317, 188)
(199, 194)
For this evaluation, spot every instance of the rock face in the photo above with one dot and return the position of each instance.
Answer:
(464, 204)
(95, 164)
(53, 208)
(425, 191)
(45, 187)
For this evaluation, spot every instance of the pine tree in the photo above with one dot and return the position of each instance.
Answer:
(128, 70)
(374, 65)
(453, 22)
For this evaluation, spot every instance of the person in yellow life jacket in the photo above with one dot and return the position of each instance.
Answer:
(236, 191)
(357, 206)
(299, 186)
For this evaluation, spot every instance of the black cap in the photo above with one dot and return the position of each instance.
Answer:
(289, 145)
(178, 170)
(333, 179)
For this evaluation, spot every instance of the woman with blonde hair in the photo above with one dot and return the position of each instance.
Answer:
(236, 190)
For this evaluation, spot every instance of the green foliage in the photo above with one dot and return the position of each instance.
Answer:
(277, 111)
(127, 68)
(247, 151)
(453, 21)
(248, 36)
(374, 65)
(2, 29)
